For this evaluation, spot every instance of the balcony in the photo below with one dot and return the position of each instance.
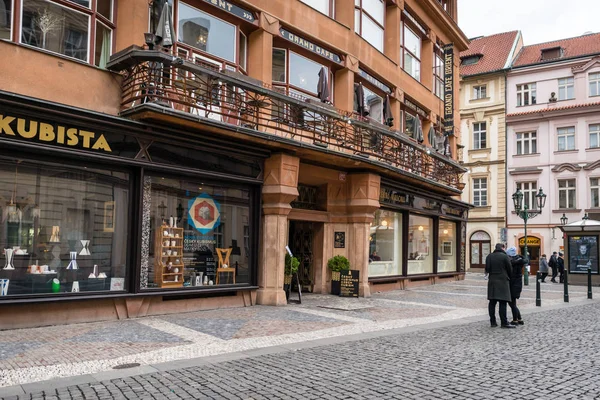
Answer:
(156, 83)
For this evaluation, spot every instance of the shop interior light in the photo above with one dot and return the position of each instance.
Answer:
(421, 228)
(12, 209)
(445, 231)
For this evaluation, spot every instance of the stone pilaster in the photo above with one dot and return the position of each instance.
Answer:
(363, 201)
(279, 189)
(260, 54)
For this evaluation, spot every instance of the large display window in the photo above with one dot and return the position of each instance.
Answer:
(194, 233)
(446, 246)
(420, 240)
(385, 244)
(63, 228)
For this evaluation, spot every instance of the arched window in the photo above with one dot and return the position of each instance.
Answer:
(481, 246)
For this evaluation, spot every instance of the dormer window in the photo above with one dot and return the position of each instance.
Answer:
(552, 53)
(470, 60)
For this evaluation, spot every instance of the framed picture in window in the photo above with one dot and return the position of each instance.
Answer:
(447, 248)
(109, 216)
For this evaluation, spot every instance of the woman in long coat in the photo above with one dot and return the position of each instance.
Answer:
(544, 268)
(516, 283)
(498, 268)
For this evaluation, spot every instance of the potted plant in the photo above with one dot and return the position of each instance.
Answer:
(337, 264)
(291, 268)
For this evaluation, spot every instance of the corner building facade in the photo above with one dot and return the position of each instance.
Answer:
(140, 180)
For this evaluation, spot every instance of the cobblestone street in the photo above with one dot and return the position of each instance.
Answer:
(424, 343)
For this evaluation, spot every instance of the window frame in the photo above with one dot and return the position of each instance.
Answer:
(594, 81)
(529, 190)
(568, 190)
(11, 17)
(331, 5)
(595, 192)
(564, 84)
(595, 131)
(477, 188)
(367, 86)
(526, 139)
(529, 89)
(479, 92)
(438, 74)
(289, 87)
(410, 53)
(363, 13)
(565, 133)
(477, 135)
(90, 12)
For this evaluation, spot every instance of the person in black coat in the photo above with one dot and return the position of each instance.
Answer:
(561, 267)
(516, 283)
(498, 268)
(553, 263)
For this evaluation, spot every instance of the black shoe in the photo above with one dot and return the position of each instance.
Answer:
(508, 326)
(494, 325)
(552, 280)
(514, 322)
(520, 322)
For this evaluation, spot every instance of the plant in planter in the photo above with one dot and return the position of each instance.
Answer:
(337, 264)
(291, 268)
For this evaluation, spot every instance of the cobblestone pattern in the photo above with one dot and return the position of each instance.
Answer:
(470, 361)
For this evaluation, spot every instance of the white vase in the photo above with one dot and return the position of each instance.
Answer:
(4, 287)
(73, 263)
(75, 287)
(206, 280)
(86, 250)
(9, 259)
(55, 237)
(171, 221)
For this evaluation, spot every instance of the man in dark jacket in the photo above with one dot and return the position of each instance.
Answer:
(516, 283)
(561, 267)
(553, 263)
(498, 267)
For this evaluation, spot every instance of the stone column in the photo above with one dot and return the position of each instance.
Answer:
(344, 13)
(392, 32)
(344, 87)
(363, 201)
(279, 189)
(427, 60)
(132, 20)
(260, 50)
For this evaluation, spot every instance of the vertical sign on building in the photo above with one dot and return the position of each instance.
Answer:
(449, 89)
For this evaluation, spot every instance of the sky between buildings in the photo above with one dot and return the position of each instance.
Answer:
(538, 20)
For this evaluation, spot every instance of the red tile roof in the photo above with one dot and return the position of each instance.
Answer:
(550, 109)
(573, 47)
(494, 49)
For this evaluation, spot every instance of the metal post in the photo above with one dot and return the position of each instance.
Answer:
(525, 271)
(589, 283)
(566, 285)
(538, 294)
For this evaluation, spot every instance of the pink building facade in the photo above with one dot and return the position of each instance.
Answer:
(553, 138)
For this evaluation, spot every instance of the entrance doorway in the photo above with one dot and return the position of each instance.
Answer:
(533, 247)
(301, 243)
(481, 246)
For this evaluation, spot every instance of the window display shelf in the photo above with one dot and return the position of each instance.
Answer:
(168, 239)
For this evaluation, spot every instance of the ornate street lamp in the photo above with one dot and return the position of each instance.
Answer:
(564, 220)
(585, 217)
(526, 214)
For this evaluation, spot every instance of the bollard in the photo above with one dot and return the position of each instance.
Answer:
(589, 283)
(566, 284)
(538, 294)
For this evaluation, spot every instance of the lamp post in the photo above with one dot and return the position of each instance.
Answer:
(526, 214)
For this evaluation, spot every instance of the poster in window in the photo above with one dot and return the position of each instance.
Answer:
(583, 254)
(447, 248)
(109, 216)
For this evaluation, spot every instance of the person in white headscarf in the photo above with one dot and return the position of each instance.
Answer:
(516, 283)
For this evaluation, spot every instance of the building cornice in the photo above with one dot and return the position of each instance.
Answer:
(553, 112)
(592, 165)
(566, 167)
(525, 171)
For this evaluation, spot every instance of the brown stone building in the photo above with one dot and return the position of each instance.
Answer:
(167, 172)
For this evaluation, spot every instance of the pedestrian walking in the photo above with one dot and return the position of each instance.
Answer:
(498, 268)
(553, 263)
(516, 283)
(544, 268)
(561, 267)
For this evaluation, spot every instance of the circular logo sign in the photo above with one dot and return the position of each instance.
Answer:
(204, 213)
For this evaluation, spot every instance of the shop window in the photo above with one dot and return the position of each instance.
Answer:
(411, 53)
(447, 247)
(206, 33)
(64, 29)
(5, 19)
(369, 18)
(63, 228)
(198, 236)
(385, 244)
(420, 239)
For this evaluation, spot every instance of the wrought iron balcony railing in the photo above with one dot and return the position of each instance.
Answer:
(151, 76)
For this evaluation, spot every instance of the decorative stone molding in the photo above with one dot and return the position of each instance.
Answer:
(269, 23)
(525, 171)
(352, 63)
(584, 67)
(566, 167)
(592, 165)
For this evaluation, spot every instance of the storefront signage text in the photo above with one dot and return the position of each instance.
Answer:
(449, 89)
(232, 9)
(453, 211)
(310, 46)
(415, 107)
(378, 84)
(389, 196)
(29, 129)
(531, 241)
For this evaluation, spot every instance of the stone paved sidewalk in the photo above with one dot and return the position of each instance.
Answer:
(31, 355)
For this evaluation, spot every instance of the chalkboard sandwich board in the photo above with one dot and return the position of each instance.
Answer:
(349, 283)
